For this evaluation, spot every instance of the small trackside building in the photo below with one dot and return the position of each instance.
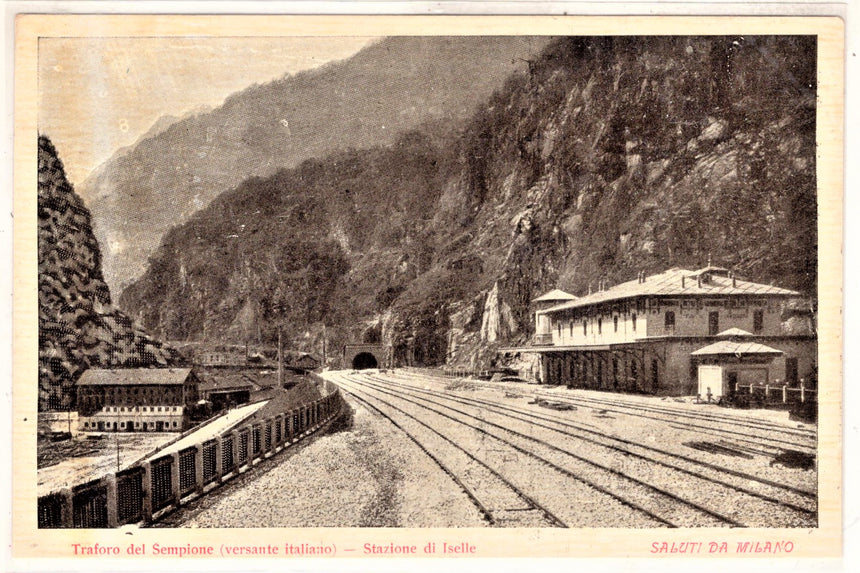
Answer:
(726, 363)
(136, 399)
(306, 362)
(650, 335)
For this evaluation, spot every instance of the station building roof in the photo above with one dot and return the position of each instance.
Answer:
(708, 281)
(134, 377)
(228, 383)
(732, 332)
(724, 347)
(555, 295)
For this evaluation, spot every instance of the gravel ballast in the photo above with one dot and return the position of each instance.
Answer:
(366, 475)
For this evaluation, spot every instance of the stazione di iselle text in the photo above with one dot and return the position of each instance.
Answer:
(270, 550)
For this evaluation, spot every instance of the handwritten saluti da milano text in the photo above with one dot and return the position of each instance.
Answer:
(743, 547)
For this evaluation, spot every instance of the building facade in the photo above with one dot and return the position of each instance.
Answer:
(227, 390)
(643, 335)
(136, 399)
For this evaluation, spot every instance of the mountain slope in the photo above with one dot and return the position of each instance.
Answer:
(609, 156)
(366, 100)
(78, 326)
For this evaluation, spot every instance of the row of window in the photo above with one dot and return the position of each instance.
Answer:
(122, 425)
(600, 325)
(141, 408)
(669, 323)
(714, 322)
(117, 391)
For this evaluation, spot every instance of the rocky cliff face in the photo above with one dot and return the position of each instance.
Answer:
(78, 326)
(390, 86)
(623, 154)
(607, 157)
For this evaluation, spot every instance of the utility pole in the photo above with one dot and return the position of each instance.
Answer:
(280, 359)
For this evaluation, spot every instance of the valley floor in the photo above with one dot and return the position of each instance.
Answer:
(429, 451)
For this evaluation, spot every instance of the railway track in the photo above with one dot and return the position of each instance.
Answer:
(755, 433)
(566, 423)
(499, 501)
(684, 480)
(679, 462)
(593, 508)
(635, 495)
(799, 506)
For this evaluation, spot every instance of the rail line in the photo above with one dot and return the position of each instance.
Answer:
(727, 418)
(711, 417)
(806, 512)
(531, 416)
(655, 495)
(610, 405)
(488, 514)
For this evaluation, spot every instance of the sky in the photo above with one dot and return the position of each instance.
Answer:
(97, 95)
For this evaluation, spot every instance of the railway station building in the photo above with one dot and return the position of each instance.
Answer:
(658, 334)
(136, 399)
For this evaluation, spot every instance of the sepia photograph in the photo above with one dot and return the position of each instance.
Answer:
(384, 280)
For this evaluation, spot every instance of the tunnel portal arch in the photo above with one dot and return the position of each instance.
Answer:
(361, 356)
(364, 360)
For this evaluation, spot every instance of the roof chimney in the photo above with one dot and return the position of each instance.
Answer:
(734, 280)
(683, 281)
(699, 281)
(643, 276)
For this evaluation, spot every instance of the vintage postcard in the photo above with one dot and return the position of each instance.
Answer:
(320, 287)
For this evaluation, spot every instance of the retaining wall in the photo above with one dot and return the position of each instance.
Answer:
(150, 489)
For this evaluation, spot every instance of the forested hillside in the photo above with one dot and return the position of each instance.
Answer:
(390, 86)
(605, 157)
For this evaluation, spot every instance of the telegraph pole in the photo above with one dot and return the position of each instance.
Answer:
(280, 360)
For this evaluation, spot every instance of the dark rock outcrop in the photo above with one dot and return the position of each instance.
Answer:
(78, 326)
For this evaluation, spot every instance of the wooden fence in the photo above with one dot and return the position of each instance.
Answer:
(776, 394)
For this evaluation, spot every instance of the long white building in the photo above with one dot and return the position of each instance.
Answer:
(649, 334)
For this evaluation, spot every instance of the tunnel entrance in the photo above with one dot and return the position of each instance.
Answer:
(364, 360)
(362, 356)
